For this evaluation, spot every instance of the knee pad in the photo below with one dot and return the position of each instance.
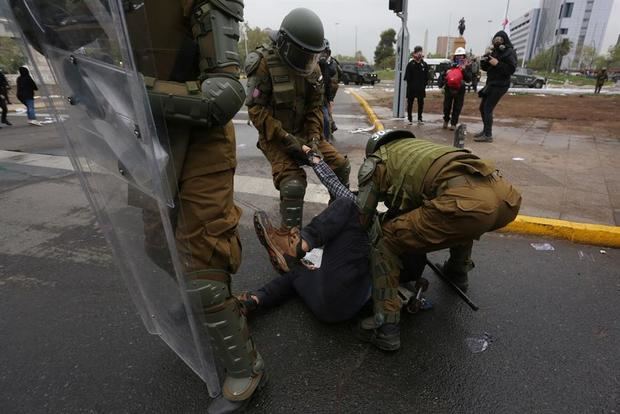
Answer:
(292, 192)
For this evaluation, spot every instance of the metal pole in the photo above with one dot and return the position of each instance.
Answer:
(402, 55)
(505, 23)
(355, 53)
(448, 37)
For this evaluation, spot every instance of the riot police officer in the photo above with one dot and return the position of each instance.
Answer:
(285, 101)
(186, 52)
(437, 197)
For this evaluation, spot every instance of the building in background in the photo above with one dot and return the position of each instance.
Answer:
(582, 22)
(523, 35)
(445, 45)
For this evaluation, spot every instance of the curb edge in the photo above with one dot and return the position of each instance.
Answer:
(592, 234)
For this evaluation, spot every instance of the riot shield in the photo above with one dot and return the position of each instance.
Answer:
(121, 153)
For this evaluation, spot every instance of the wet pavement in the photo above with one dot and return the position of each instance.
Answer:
(72, 341)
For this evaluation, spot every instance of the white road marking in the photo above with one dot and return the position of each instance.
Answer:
(315, 193)
(343, 116)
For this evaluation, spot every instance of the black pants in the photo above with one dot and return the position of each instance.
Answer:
(490, 98)
(453, 104)
(597, 88)
(410, 99)
(341, 286)
(4, 108)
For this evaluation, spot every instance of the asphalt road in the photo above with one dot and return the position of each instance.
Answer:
(71, 340)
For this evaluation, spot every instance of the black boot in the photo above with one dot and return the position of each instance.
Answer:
(386, 337)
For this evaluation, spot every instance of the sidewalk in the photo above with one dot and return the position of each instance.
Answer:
(567, 177)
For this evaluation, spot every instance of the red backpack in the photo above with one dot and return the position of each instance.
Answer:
(454, 78)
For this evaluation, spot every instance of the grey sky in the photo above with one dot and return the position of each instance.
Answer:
(372, 17)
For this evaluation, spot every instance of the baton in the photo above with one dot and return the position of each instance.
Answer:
(450, 283)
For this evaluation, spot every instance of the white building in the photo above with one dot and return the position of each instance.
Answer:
(523, 34)
(583, 22)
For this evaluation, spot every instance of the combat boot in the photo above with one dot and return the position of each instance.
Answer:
(283, 245)
(385, 337)
(445, 125)
(458, 277)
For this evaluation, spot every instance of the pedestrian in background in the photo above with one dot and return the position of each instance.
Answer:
(416, 76)
(600, 80)
(4, 97)
(453, 83)
(500, 62)
(328, 71)
(25, 94)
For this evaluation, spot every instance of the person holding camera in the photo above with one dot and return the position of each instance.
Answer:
(500, 62)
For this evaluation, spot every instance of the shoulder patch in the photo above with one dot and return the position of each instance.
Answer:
(366, 170)
(251, 63)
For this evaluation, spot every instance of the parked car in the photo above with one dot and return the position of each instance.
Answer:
(527, 77)
(358, 73)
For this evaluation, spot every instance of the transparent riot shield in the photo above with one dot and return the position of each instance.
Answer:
(121, 153)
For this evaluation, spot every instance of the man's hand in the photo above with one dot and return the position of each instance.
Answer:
(493, 61)
(313, 157)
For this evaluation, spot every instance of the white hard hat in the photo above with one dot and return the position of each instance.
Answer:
(460, 51)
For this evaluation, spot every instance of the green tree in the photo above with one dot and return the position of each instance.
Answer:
(541, 61)
(562, 49)
(551, 58)
(385, 48)
(614, 56)
(255, 37)
(588, 56)
(11, 56)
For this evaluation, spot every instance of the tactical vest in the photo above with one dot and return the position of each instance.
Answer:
(408, 162)
(289, 94)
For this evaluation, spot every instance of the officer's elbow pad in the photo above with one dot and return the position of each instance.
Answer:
(225, 96)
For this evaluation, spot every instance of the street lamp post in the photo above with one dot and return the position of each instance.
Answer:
(402, 55)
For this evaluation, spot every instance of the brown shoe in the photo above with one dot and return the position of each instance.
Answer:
(281, 244)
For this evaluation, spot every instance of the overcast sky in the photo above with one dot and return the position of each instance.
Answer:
(340, 17)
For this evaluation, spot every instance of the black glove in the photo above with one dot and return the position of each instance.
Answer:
(314, 144)
(292, 146)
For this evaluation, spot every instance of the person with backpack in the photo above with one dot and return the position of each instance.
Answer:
(453, 81)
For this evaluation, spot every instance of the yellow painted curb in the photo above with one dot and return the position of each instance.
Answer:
(372, 117)
(595, 234)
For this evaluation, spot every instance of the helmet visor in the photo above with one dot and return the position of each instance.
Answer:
(301, 60)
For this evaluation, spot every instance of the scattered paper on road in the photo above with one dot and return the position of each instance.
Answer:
(542, 246)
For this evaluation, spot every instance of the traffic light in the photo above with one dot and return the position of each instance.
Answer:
(396, 6)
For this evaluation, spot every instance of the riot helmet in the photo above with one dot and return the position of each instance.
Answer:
(300, 40)
(381, 138)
